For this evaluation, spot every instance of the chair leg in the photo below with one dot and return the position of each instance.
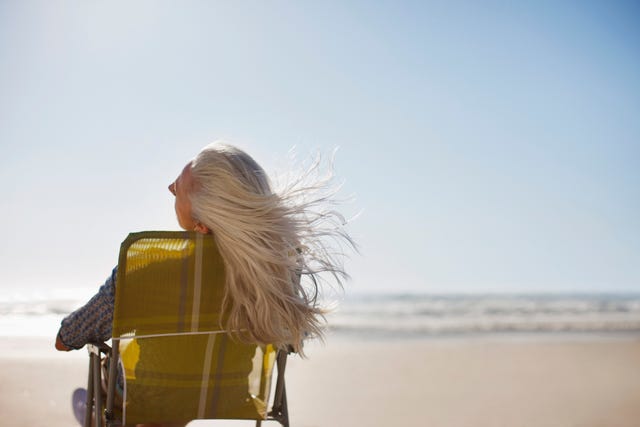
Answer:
(284, 420)
(94, 392)
(279, 410)
(89, 403)
(97, 389)
(112, 378)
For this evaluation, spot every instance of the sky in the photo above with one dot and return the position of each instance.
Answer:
(486, 146)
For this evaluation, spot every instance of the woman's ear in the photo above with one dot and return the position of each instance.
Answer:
(201, 228)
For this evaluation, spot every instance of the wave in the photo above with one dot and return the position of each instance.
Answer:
(408, 314)
(43, 302)
(458, 314)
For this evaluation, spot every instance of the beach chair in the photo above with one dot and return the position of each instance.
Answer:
(178, 364)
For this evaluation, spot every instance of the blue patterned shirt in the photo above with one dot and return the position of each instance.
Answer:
(92, 322)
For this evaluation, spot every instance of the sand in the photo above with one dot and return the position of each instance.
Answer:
(353, 382)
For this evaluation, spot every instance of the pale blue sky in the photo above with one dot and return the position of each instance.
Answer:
(491, 147)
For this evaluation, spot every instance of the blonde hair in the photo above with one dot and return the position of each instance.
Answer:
(268, 241)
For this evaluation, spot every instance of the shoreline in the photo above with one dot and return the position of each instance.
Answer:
(465, 337)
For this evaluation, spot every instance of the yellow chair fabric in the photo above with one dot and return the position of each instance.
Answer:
(179, 364)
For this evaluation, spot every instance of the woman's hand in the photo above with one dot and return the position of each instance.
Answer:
(60, 345)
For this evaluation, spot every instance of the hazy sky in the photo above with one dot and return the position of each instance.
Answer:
(490, 146)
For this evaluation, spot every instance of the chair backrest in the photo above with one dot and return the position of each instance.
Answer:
(178, 362)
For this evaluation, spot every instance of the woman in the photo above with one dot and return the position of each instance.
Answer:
(268, 240)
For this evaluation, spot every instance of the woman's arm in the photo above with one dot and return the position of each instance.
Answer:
(91, 322)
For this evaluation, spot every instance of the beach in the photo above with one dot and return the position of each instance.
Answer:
(478, 381)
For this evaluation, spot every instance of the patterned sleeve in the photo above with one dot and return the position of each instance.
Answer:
(92, 322)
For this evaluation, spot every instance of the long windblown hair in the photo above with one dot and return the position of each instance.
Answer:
(269, 240)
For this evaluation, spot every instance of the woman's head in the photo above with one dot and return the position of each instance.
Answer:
(227, 183)
(267, 240)
(181, 188)
(219, 180)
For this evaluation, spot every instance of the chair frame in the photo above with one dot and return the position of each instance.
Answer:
(279, 409)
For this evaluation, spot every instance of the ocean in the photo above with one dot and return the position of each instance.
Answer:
(506, 315)
(38, 313)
